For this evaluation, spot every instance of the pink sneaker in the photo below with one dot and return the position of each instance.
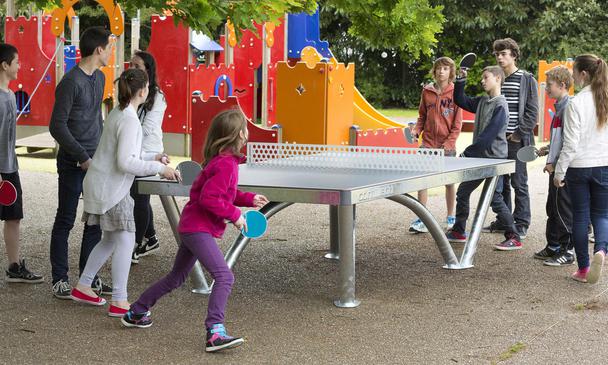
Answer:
(580, 275)
(81, 297)
(115, 311)
(595, 271)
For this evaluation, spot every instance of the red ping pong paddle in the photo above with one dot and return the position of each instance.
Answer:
(8, 193)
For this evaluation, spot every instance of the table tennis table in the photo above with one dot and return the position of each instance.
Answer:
(343, 177)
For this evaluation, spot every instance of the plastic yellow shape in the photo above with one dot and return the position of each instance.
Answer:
(112, 10)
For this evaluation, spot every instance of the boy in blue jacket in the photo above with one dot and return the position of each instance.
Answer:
(489, 141)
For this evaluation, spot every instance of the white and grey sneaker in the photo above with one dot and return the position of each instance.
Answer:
(418, 227)
(62, 290)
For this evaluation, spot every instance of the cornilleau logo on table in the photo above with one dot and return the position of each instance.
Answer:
(372, 193)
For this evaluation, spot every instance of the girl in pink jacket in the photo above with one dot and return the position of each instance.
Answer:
(214, 198)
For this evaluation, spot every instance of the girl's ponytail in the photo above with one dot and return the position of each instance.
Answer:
(129, 83)
(597, 69)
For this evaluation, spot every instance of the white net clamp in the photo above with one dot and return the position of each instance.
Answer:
(344, 157)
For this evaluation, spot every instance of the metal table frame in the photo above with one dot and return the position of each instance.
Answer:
(342, 215)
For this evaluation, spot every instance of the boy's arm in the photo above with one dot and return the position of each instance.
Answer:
(58, 126)
(450, 142)
(530, 117)
(465, 102)
(488, 135)
(556, 147)
(421, 115)
(571, 133)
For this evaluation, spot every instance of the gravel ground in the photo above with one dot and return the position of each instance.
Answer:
(507, 309)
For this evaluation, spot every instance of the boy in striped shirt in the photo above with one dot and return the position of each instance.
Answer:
(520, 90)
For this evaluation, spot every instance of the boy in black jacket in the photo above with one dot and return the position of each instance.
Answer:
(489, 141)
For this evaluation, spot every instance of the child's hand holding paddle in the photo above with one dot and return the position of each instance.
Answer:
(241, 224)
(171, 174)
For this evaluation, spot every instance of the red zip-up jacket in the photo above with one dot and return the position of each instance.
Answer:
(214, 197)
(439, 118)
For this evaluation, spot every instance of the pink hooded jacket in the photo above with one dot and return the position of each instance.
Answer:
(214, 197)
(439, 118)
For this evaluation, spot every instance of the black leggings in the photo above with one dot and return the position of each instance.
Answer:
(142, 212)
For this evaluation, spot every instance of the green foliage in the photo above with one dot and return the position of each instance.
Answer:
(207, 15)
(403, 24)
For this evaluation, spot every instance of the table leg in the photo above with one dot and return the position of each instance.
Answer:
(435, 229)
(196, 275)
(234, 252)
(334, 234)
(346, 278)
(485, 200)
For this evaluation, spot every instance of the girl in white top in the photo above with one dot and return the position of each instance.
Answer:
(151, 114)
(106, 186)
(583, 163)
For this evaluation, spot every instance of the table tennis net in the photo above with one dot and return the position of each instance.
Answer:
(284, 155)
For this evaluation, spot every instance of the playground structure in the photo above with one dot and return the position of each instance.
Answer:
(313, 101)
(277, 74)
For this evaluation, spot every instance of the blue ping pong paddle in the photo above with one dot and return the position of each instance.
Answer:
(256, 224)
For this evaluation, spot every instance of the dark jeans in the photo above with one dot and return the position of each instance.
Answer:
(519, 181)
(589, 194)
(498, 206)
(144, 218)
(201, 247)
(69, 190)
(559, 218)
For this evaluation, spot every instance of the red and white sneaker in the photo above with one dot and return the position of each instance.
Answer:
(580, 275)
(81, 297)
(510, 244)
(115, 311)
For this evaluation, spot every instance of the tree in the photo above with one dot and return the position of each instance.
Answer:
(207, 15)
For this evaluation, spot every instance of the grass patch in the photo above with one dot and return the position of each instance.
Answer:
(511, 351)
(400, 113)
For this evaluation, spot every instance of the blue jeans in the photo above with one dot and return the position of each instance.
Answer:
(69, 190)
(499, 207)
(589, 194)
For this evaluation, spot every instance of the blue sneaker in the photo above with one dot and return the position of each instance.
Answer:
(456, 237)
(218, 339)
(450, 221)
(418, 227)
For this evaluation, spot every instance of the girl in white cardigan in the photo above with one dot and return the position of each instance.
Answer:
(583, 163)
(106, 186)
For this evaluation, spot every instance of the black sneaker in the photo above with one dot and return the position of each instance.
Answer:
(133, 320)
(560, 259)
(100, 288)
(62, 290)
(18, 273)
(218, 339)
(545, 254)
(148, 247)
(494, 227)
(135, 255)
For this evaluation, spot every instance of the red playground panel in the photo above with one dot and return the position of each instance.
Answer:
(390, 137)
(203, 113)
(24, 33)
(169, 45)
(205, 81)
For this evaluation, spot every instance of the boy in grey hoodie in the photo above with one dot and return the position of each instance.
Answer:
(559, 249)
(489, 141)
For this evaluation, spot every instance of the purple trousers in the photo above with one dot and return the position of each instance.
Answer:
(194, 246)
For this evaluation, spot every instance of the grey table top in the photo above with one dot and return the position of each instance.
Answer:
(341, 186)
